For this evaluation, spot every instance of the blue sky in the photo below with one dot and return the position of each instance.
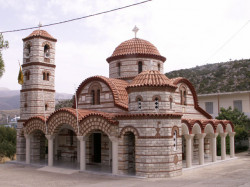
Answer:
(187, 33)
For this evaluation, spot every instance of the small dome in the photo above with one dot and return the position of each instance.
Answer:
(136, 48)
(40, 33)
(151, 78)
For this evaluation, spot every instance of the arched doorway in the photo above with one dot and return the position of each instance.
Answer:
(38, 148)
(66, 148)
(129, 153)
(98, 152)
(35, 141)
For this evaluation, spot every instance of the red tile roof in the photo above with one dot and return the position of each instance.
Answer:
(117, 86)
(84, 113)
(42, 118)
(151, 78)
(136, 48)
(40, 33)
(203, 122)
(148, 115)
(178, 80)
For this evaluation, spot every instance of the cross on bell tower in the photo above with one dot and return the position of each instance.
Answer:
(135, 30)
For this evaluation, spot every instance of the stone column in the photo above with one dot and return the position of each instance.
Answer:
(27, 137)
(201, 147)
(214, 148)
(231, 134)
(189, 138)
(82, 140)
(249, 145)
(50, 149)
(56, 145)
(223, 145)
(78, 151)
(114, 155)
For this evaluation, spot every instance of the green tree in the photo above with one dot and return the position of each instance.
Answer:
(65, 103)
(3, 45)
(241, 125)
(235, 116)
(7, 142)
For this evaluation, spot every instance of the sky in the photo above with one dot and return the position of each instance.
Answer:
(188, 33)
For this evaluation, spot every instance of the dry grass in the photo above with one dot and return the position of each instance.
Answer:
(6, 159)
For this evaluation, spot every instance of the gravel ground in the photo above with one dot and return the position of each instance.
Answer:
(230, 173)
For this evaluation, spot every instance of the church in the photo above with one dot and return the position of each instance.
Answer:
(135, 122)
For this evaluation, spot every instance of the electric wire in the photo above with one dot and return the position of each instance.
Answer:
(226, 42)
(75, 19)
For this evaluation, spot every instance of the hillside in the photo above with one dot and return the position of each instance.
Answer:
(10, 99)
(220, 77)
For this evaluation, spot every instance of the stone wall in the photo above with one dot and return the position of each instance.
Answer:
(36, 92)
(154, 147)
(106, 154)
(37, 51)
(106, 99)
(188, 110)
(129, 67)
(147, 97)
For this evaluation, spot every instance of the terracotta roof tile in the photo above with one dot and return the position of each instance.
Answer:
(40, 33)
(84, 113)
(138, 47)
(151, 78)
(148, 115)
(35, 117)
(117, 86)
(203, 122)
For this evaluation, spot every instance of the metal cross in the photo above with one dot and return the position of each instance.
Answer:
(40, 25)
(135, 30)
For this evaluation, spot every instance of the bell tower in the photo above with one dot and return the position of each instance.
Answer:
(37, 95)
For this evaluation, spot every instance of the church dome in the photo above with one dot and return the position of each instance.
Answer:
(136, 47)
(40, 33)
(151, 79)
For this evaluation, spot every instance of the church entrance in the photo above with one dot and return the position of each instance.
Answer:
(66, 148)
(98, 152)
(38, 148)
(129, 141)
(97, 147)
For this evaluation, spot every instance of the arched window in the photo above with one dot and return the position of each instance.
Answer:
(119, 69)
(44, 76)
(95, 92)
(27, 75)
(175, 140)
(159, 67)
(183, 95)
(139, 67)
(139, 103)
(46, 51)
(25, 106)
(170, 102)
(93, 96)
(27, 50)
(98, 97)
(156, 103)
(46, 107)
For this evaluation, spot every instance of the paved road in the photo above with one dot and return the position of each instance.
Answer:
(231, 173)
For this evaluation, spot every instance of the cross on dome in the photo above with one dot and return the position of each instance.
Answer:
(135, 30)
(40, 25)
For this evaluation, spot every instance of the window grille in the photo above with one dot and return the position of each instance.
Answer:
(238, 105)
(209, 107)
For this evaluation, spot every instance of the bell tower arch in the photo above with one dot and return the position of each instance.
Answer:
(37, 95)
